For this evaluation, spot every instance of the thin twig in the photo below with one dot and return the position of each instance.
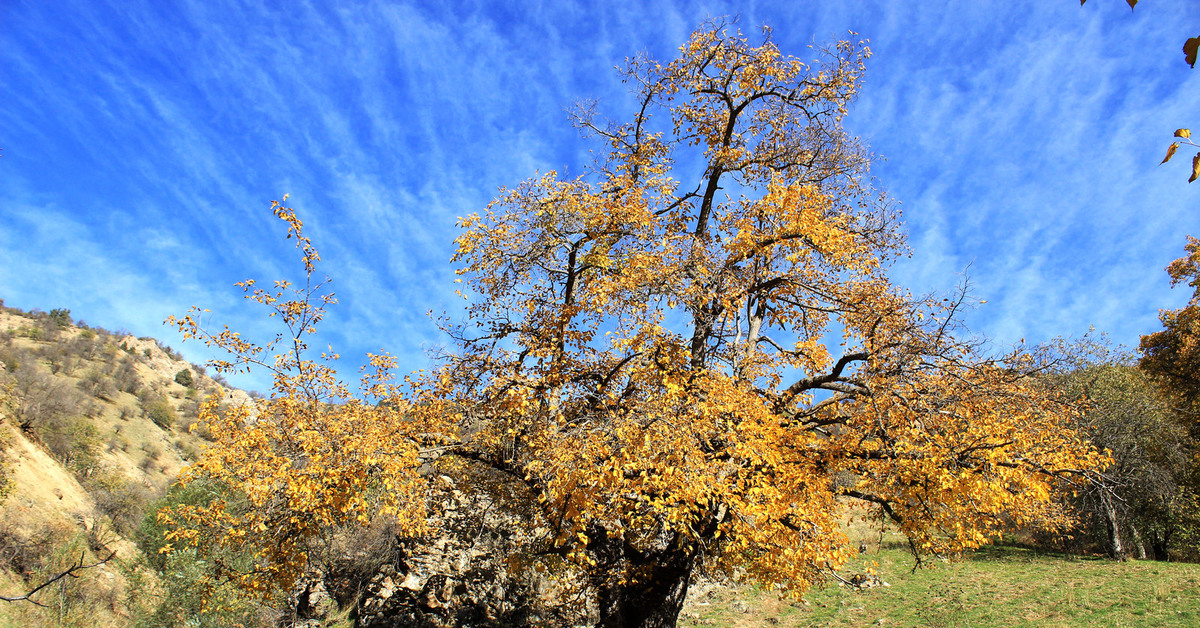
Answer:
(72, 572)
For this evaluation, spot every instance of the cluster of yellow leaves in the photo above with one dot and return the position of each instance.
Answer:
(303, 463)
(960, 455)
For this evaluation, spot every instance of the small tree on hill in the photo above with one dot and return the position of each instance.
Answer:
(60, 317)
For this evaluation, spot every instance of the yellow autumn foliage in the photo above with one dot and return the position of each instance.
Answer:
(687, 357)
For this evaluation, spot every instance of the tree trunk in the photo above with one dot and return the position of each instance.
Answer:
(654, 595)
(1115, 548)
(1138, 543)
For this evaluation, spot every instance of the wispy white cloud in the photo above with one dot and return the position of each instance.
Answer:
(144, 141)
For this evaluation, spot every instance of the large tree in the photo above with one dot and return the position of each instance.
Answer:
(684, 357)
(680, 350)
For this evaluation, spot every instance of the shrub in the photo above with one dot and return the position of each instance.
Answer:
(118, 442)
(186, 591)
(122, 501)
(29, 331)
(61, 358)
(72, 440)
(184, 378)
(40, 397)
(5, 481)
(98, 384)
(26, 550)
(159, 410)
(126, 377)
(49, 550)
(60, 317)
(12, 358)
(85, 345)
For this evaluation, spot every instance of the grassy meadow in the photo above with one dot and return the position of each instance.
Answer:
(996, 586)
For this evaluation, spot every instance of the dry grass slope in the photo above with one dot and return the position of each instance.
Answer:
(95, 430)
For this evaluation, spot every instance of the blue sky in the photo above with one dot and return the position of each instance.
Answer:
(143, 142)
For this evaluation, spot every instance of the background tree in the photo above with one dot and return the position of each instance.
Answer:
(677, 352)
(1172, 356)
(61, 317)
(1140, 505)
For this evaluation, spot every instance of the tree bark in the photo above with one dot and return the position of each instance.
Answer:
(1138, 543)
(1115, 548)
(653, 594)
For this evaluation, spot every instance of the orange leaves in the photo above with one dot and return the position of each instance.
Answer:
(1170, 152)
(652, 356)
(961, 452)
(306, 461)
(305, 469)
(1185, 135)
(1172, 355)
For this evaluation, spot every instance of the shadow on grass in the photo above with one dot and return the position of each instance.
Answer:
(1014, 551)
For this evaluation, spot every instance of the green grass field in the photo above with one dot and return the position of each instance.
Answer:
(996, 586)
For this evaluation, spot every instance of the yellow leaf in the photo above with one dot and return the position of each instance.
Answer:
(1195, 168)
(1170, 153)
(1184, 133)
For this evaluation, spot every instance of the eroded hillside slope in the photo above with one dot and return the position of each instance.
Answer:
(94, 427)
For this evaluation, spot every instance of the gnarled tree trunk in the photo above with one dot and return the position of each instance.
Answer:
(642, 590)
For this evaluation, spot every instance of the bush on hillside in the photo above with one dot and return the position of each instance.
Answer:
(158, 409)
(98, 384)
(122, 501)
(40, 397)
(126, 376)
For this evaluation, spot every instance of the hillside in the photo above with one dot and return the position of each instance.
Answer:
(95, 428)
